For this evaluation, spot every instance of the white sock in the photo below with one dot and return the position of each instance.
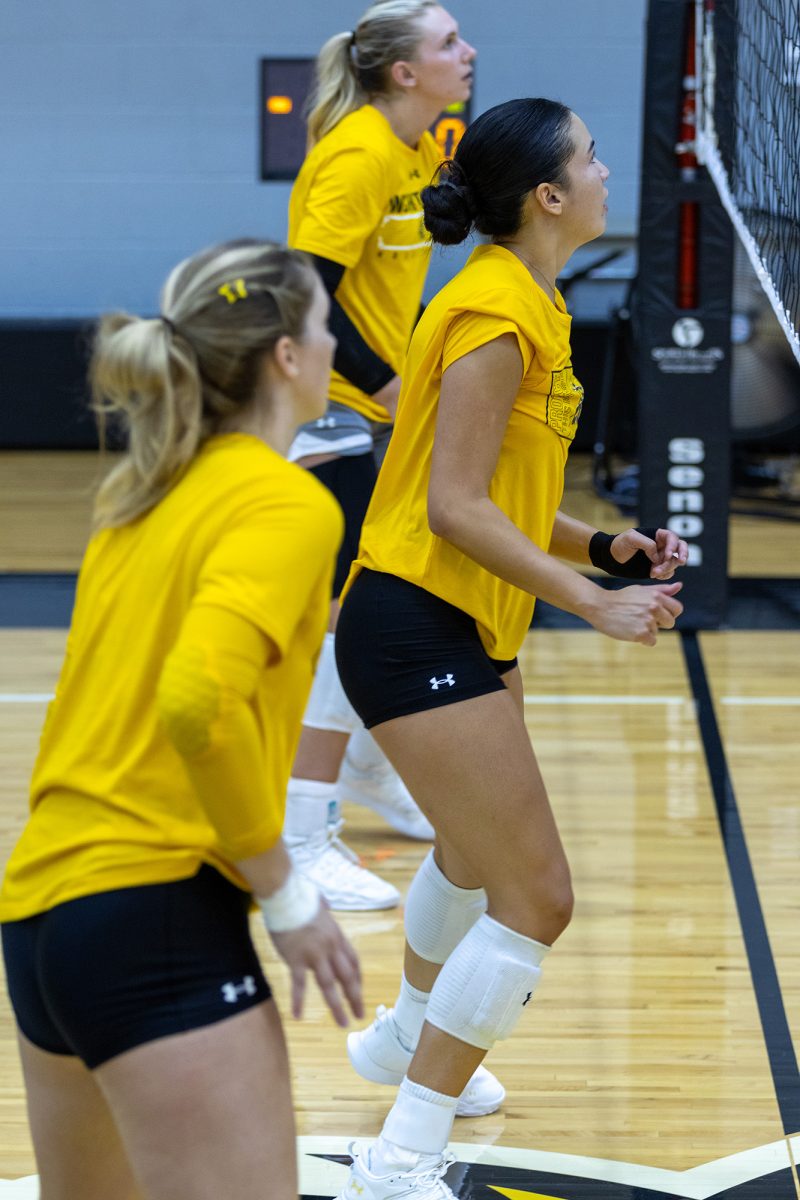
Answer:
(416, 1130)
(311, 806)
(409, 1013)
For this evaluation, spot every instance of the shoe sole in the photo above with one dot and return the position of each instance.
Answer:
(368, 1069)
(344, 906)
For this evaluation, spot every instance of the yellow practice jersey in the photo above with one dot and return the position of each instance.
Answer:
(244, 535)
(492, 295)
(357, 202)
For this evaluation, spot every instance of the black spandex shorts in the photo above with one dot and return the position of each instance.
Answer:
(402, 650)
(96, 976)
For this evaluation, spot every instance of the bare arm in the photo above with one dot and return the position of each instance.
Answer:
(477, 395)
(663, 553)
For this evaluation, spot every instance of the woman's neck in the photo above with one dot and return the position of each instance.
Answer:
(540, 255)
(407, 116)
(276, 427)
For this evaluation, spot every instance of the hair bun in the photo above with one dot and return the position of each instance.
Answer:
(449, 204)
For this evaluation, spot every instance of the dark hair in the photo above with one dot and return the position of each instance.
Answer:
(506, 153)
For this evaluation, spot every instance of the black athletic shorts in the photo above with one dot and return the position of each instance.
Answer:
(401, 650)
(96, 976)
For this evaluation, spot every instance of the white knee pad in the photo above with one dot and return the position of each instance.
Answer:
(328, 706)
(438, 913)
(486, 983)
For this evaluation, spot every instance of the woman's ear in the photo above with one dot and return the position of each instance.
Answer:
(285, 358)
(549, 198)
(402, 75)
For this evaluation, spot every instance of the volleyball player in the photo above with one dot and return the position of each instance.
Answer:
(356, 208)
(461, 534)
(153, 1054)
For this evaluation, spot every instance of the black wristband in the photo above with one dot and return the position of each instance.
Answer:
(638, 565)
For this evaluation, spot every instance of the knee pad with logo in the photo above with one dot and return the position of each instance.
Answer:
(486, 984)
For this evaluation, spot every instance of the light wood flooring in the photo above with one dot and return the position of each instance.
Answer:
(645, 1044)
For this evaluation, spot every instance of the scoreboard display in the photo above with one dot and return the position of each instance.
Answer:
(285, 87)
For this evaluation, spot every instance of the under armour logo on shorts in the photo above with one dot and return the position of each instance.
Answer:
(232, 991)
(437, 683)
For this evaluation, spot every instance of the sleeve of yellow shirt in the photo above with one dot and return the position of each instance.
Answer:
(204, 696)
(469, 330)
(267, 569)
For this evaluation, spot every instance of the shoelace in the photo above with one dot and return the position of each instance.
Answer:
(433, 1174)
(382, 1011)
(317, 845)
(332, 838)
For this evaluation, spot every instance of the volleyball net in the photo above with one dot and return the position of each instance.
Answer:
(747, 103)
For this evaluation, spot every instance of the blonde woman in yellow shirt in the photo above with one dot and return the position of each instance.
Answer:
(356, 207)
(153, 1054)
(463, 532)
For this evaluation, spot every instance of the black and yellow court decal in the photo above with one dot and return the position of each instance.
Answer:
(486, 1172)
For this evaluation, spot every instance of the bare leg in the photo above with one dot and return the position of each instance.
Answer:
(473, 770)
(78, 1150)
(418, 971)
(208, 1113)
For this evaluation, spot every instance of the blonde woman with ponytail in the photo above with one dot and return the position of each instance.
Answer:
(356, 208)
(152, 1051)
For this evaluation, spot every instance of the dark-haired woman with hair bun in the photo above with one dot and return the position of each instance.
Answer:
(355, 206)
(463, 532)
(152, 1050)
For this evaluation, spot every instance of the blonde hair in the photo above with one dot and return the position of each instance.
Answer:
(168, 381)
(351, 67)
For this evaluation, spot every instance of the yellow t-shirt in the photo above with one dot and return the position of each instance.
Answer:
(112, 804)
(357, 202)
(492, 295)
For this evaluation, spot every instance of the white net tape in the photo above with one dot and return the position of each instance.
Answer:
(759, 185)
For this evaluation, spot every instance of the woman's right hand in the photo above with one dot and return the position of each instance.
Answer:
(636, 613)
(321, 947)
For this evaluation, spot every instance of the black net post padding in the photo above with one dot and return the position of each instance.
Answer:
(683, 354)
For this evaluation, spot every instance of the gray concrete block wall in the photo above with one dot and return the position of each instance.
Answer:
(129, 133)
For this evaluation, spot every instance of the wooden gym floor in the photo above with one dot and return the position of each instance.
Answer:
(659, 1059)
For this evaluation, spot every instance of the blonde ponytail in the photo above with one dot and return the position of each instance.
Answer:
(142, 376)
(336, 90)
(353, 67)
(169, 381)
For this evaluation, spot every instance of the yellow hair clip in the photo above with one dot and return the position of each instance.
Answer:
(236, 290)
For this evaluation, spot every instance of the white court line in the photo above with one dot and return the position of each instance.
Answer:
(540, 699)
(321, 1177)
(738, 701)
(578, 699)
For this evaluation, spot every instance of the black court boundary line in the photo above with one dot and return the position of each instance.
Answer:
(763, 972)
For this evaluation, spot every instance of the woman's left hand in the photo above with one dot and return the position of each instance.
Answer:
(666, 551)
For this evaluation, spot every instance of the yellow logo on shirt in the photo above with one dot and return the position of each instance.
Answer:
(564, 403)
(403, 226)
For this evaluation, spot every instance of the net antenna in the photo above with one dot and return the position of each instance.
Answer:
(757, 172)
